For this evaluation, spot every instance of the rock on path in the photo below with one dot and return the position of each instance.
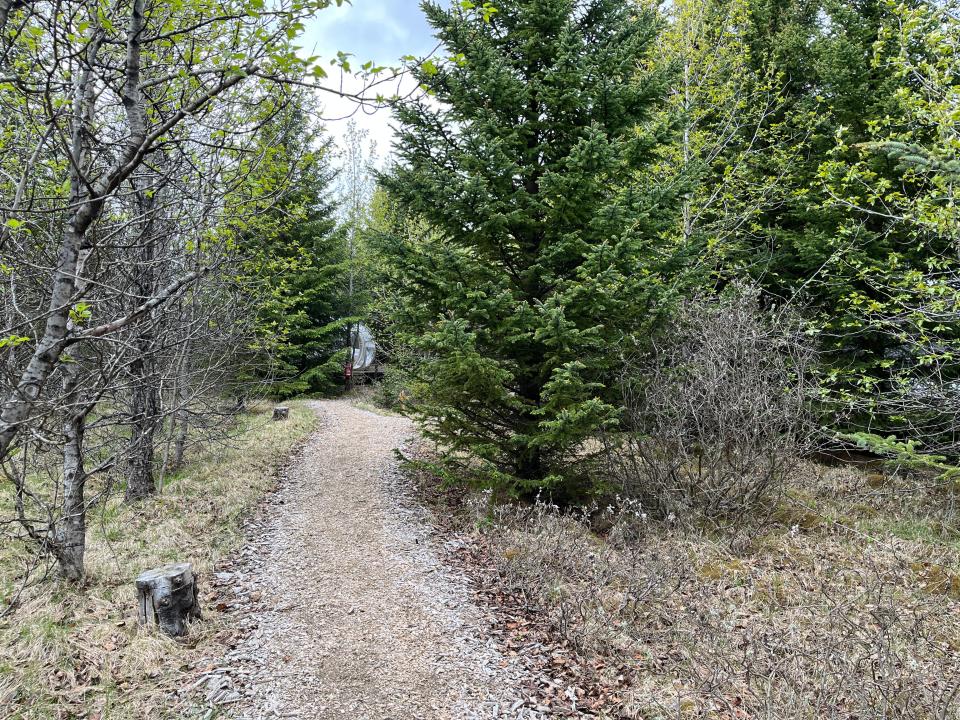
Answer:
(358, 617)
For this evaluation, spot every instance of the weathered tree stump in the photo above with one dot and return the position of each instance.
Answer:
(281, 413)
(167, 598)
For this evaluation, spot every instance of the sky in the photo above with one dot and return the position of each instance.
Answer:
(379, 30)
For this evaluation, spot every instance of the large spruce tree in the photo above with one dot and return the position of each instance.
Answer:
(528, 171)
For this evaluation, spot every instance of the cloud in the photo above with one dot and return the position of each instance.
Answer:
(379, 30)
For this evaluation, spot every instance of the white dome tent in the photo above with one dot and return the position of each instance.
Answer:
(363, 364)
(364, 348)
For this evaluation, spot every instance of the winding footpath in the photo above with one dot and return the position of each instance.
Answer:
(357, 615)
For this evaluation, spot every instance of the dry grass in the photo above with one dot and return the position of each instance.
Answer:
(843, 601)
(69, 653)
(370, 397)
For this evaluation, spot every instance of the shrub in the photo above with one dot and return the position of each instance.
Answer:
(716, 410)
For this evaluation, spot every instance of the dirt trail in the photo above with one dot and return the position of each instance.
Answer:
(358, 615)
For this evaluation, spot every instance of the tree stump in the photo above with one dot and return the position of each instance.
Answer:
(281, 413)
(167, 598)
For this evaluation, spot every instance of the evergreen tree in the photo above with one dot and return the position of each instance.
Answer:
(315, 301)
(543, 241)
(912, 301)
(735, 150)
(298, 252)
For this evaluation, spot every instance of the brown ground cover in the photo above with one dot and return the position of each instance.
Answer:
(840, 600)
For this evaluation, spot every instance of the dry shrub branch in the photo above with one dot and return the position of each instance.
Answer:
(716, 411)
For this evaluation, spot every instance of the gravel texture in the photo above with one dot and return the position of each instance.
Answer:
(349, 610)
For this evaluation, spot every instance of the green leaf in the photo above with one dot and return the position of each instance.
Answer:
(13, 341)
(80, 313)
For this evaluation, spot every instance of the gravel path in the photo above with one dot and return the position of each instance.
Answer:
(357, 614)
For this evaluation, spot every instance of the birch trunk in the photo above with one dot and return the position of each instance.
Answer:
(687, 210)
(71, 530)
(145, 391)
(183, 413)
(145, 409)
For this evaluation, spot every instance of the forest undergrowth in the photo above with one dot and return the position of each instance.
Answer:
(839, 599)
